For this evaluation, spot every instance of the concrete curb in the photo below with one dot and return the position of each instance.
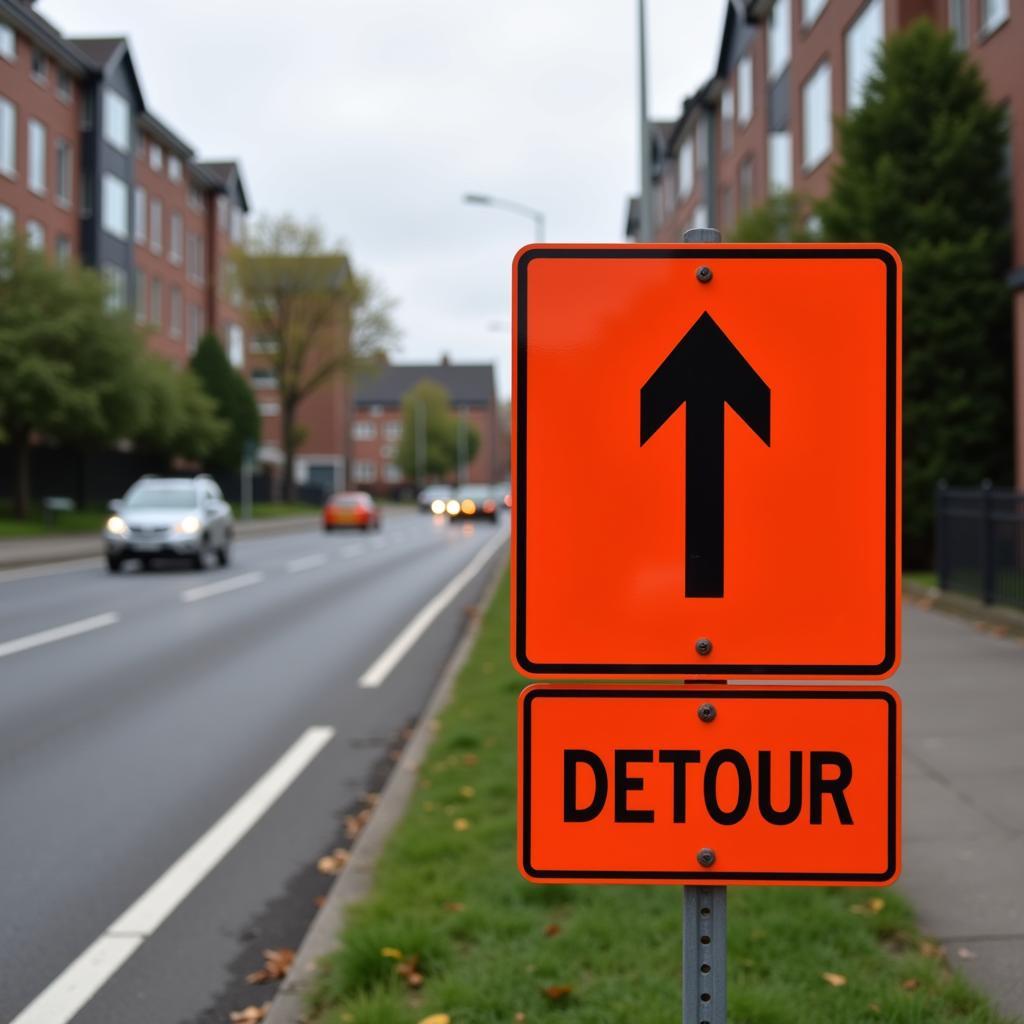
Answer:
(999, 616)
(356, 879)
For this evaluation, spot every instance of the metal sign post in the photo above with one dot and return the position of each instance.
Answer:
(704, 935)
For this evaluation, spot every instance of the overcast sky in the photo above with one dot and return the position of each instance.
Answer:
(373, 117)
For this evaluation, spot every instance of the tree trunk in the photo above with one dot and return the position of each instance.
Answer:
(288, 443)
(22, 480)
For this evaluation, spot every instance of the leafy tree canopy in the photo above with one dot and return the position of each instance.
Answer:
(432, 434)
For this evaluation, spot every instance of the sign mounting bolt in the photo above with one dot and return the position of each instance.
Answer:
(703, 646)
(704, 274)
(706, 712)
(706, 857)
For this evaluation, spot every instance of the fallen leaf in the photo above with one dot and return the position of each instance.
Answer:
(467, 792)
(553, 929)
(333, 862)
(250, 1015)
(470, 759)
(414, 979)
(876, 904)
(930, 949)
(520, 1016)
(966, 954)
(460, 824)
(910, 984)
(354, 822)
(455, 908)
(437, 1018)
(557, 992)
(874, 1008)
(859, 908)
(277, 963)
(835, 980)
(391, 953)
(372, 799)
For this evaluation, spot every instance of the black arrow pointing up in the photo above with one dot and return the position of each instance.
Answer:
(706, 371)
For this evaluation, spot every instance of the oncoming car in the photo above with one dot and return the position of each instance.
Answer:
(169, 517)
(351, 508)
(469, 503)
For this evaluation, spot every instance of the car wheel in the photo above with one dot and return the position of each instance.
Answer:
(114, 563)
(147, 564)
(328, 527)
(199, 558)
(224, 554)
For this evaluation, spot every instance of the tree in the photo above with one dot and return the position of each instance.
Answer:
(923, 169)
(432, 434)
(69, 367)
(315, 317)
(232, 399)
(783, 218)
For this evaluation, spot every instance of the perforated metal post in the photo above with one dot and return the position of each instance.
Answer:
(704, 935)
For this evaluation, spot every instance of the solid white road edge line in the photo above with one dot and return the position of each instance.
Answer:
(48, 636)
(400, 646)
(221, 587)
(306, 562)
(31, 572)
(86, 975)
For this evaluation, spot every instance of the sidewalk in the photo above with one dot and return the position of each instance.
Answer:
(963, 795)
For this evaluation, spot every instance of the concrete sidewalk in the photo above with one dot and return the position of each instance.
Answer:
(963, 795)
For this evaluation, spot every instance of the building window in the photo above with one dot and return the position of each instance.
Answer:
(686, 167)
(780, 162)
(993, 14)
(393, 474)
(176, 242)
(63, 251)
(195, 328)
(140, 214)
(393, 430)
(222, 212)
(269, 408)
(39, 66)
(728, 118)
(364, 430)
(8, 43)
(237, 225)
(364, 471)
(114, 212)
(746, 196)
(780, 27)
(176, 316)
(6, 220)
(117, 287)
(64, 87)
(8, 138)
(156, 302)
(35, 235)
(195, 199)
(140, 297)
(812, 11)
(263, 378)
(194, 258)
(236, 345)
(862, 46)
(37, 156)
(64, 166)
(117, 127)
(156, 225)
(173, 168)
(817, 116)
(156, 157)
(745, 90)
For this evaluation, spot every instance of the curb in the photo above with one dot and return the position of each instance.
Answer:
(932, 598)
(356, 879)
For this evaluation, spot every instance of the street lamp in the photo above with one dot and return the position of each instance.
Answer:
(507, 204)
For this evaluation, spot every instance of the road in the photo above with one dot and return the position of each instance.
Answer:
(207, 731)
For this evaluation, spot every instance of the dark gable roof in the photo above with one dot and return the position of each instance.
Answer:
(466, 384)
(152, 125)
(226, 175)
(23, 17)
(100, 51)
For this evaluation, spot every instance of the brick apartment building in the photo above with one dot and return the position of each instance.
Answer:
(376, 429)
(763, 123)
(89, 173)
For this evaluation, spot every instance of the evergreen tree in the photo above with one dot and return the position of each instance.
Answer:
(923, 168)
(783, 218)
(233, 401)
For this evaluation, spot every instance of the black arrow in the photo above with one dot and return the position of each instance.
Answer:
(706, 371)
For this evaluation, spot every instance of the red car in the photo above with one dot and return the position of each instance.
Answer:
(351, 508)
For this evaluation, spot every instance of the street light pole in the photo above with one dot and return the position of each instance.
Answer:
(476, 199)
(646, 208)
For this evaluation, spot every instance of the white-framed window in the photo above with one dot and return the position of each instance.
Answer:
(993, 14)
(393, 474)
(7, 221)
(140, 215)
(957, 12)
(269, 408)
(222, 212)
(64, 87)
(816, 105)
(177, 243)
(812, 11)
(156, 157)
(194, 260)
(173, 168)
(364, 471)
(862, 43)
(40, 66)
(780, 162)
(746, 184)
(237, 225)
(8, 138)
(37, 156)
(262, 378)
(117, 121)
(35, 235)
(685, 171)
(8, 43)
(140, 296)
(728, 118)
(156, 302)
(115, 206)
(195, 328)
(780, 28)
(261, 345)
(63, 250)
(745, 90)
(176, 315)
(117, 286)
(393, 430)
(65, 165)
(236, 345)
(156, 225)
(364, 430)
(195, 199)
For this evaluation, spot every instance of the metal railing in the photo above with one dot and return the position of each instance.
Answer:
(979, 542)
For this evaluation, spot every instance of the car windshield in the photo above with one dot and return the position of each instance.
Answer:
(162, 497)
(347, 501)
(477, 494)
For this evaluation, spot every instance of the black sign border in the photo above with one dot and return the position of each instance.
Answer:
(717, 694)
(686, 669)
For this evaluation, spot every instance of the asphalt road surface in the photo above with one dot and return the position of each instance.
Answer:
(177, 748)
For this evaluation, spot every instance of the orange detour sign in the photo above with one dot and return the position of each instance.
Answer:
(706, 461)
(714, 786)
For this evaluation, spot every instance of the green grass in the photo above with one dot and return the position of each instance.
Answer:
(924, 577)
(455, 900)
(278, 509)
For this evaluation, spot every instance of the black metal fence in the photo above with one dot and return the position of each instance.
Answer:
(979, 543)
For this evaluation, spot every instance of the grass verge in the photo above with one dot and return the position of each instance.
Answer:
(450, 906)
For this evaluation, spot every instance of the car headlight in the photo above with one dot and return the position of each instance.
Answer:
(452, 507)
(117, 526)
(468, 506)
(188, 525)
(437, 506)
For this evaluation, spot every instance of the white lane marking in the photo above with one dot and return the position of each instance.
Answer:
(86, 975)
(351, 552)
(306, 562)
(400, 646)
(247, 579)
(31, 572)
(49, 636)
